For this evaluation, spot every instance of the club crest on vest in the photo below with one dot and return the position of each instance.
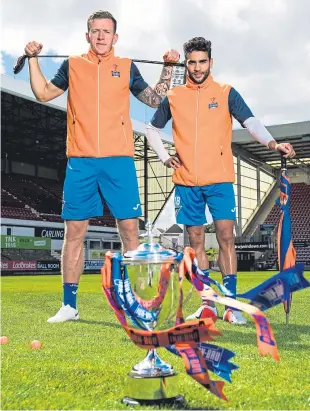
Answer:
(115, 72)
(214, 103)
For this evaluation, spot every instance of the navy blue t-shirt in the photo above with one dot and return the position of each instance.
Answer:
(137, 84)
(237, 108)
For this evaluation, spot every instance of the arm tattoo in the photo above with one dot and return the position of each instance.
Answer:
(149, 97)
(163, 84)
(152, 97)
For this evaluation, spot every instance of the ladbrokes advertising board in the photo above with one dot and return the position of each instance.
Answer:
(22, 265)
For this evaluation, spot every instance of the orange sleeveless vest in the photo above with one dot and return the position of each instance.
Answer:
(202, 133)
(98, 105)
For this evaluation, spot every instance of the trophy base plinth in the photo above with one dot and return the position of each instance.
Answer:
(178, 400)
(152, 390)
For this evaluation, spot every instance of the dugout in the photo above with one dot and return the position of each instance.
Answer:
(245, 261)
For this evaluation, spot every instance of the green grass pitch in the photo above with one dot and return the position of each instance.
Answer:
(83, 365)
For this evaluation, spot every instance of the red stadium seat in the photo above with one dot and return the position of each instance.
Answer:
(35, 198)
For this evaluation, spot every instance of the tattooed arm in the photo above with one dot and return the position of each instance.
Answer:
(152, 96)
(162, 86)
(149, 97)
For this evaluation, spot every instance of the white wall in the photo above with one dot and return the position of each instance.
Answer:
(298, 176)
(34, 223)
(56, 244)
(99, 233)
(22, 231)
(211, 241)
(102, 233)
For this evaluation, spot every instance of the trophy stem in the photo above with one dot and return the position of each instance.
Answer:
(152, 381)
(152, 366)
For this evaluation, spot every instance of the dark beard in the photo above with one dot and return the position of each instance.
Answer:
(204, 78)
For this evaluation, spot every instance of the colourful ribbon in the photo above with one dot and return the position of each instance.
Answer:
(265, 338)
(184, 336)
(188, 340)
(278, 288)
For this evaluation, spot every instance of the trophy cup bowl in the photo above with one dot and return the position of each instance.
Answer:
(152, 275)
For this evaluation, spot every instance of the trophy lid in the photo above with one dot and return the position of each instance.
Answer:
(150, 252)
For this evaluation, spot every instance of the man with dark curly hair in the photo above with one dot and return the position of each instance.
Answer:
(202, 111)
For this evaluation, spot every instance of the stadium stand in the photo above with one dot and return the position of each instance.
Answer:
(24, 188)
(34, 164)
(13, 207)
(35, 198)
(19, 254)
(300, 215)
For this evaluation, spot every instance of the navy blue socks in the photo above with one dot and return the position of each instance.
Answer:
(230, 282)
(69, 294)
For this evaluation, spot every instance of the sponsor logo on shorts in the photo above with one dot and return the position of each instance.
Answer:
(136, 207)
(233, 210)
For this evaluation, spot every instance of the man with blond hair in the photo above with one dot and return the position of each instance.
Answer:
(100, 145)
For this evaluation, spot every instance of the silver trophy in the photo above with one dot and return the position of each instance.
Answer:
(153, 380)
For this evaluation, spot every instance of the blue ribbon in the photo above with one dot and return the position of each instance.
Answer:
(205, 279)
(126, 297)
(277, 288)
(216, 358)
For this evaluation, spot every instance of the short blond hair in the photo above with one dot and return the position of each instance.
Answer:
(101, 14)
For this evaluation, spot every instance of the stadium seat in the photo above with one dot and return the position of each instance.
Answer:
(35, 198)
(300, 215)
